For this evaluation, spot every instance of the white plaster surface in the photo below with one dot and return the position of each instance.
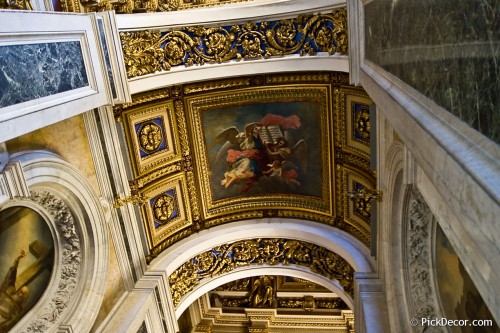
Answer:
(337, 241)
(179, 75)
(230, 13)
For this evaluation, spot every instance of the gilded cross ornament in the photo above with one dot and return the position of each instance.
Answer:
(146, 52)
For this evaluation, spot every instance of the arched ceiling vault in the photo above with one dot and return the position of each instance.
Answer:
(222, 128)
(192, 170)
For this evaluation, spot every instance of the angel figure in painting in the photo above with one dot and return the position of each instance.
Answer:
(250, 160)
(280, 154)
(261, 150)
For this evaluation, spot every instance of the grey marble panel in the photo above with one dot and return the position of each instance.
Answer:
(107, 60)
(32, 71)
(449, 50)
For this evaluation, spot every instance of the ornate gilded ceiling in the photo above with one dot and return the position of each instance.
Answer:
(130, 6)
(270, 303)
(267, 146)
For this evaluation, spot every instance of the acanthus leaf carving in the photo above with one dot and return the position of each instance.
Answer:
(52, 312)
(149, 51)
(227, 257)
(420, 285)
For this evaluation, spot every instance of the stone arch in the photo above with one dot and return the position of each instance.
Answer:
(71, 207)
(332, 239)
(293, 271)
(391, 233)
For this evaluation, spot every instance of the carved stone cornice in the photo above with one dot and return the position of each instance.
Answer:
(47, 316)
(420, 287)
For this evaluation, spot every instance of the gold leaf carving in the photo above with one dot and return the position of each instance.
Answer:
(146, 52)
(227, 257)
(142, 52)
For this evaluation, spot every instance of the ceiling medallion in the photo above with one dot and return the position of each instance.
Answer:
(362, 123)
(164, 207)
(150, 136)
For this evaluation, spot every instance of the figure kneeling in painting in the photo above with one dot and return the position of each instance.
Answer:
(11, 298)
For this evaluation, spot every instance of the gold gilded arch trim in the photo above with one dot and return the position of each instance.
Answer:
(149, 51)
(271, 251)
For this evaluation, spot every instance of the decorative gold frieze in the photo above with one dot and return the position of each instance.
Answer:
(149, 6)
(255, 214)
(227, 257)
(237, 285)
(146, 52)
(215, 85)
(298, 78)
(141, 181)
(142, 52)
(330, 303)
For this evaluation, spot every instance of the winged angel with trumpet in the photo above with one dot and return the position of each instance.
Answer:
(265, 153)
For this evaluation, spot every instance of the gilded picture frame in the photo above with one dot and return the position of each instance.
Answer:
(225, 168)
(354, 114)
(166, 209)
(151, 136)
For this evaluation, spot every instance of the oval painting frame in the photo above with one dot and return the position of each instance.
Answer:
(26, 262)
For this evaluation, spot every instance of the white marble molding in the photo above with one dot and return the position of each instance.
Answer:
(68, 204)
(27, 28)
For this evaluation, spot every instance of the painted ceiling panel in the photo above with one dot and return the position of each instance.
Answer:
(267, 146)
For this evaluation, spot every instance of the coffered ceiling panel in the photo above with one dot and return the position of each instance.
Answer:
(274, 146)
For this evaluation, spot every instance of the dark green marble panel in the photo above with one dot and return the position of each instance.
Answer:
(449, 50)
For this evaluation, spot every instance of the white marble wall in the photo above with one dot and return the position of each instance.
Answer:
(398, 169)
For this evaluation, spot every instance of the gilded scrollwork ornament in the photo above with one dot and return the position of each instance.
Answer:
(142, 52)
(146, 52)
(227, 257)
